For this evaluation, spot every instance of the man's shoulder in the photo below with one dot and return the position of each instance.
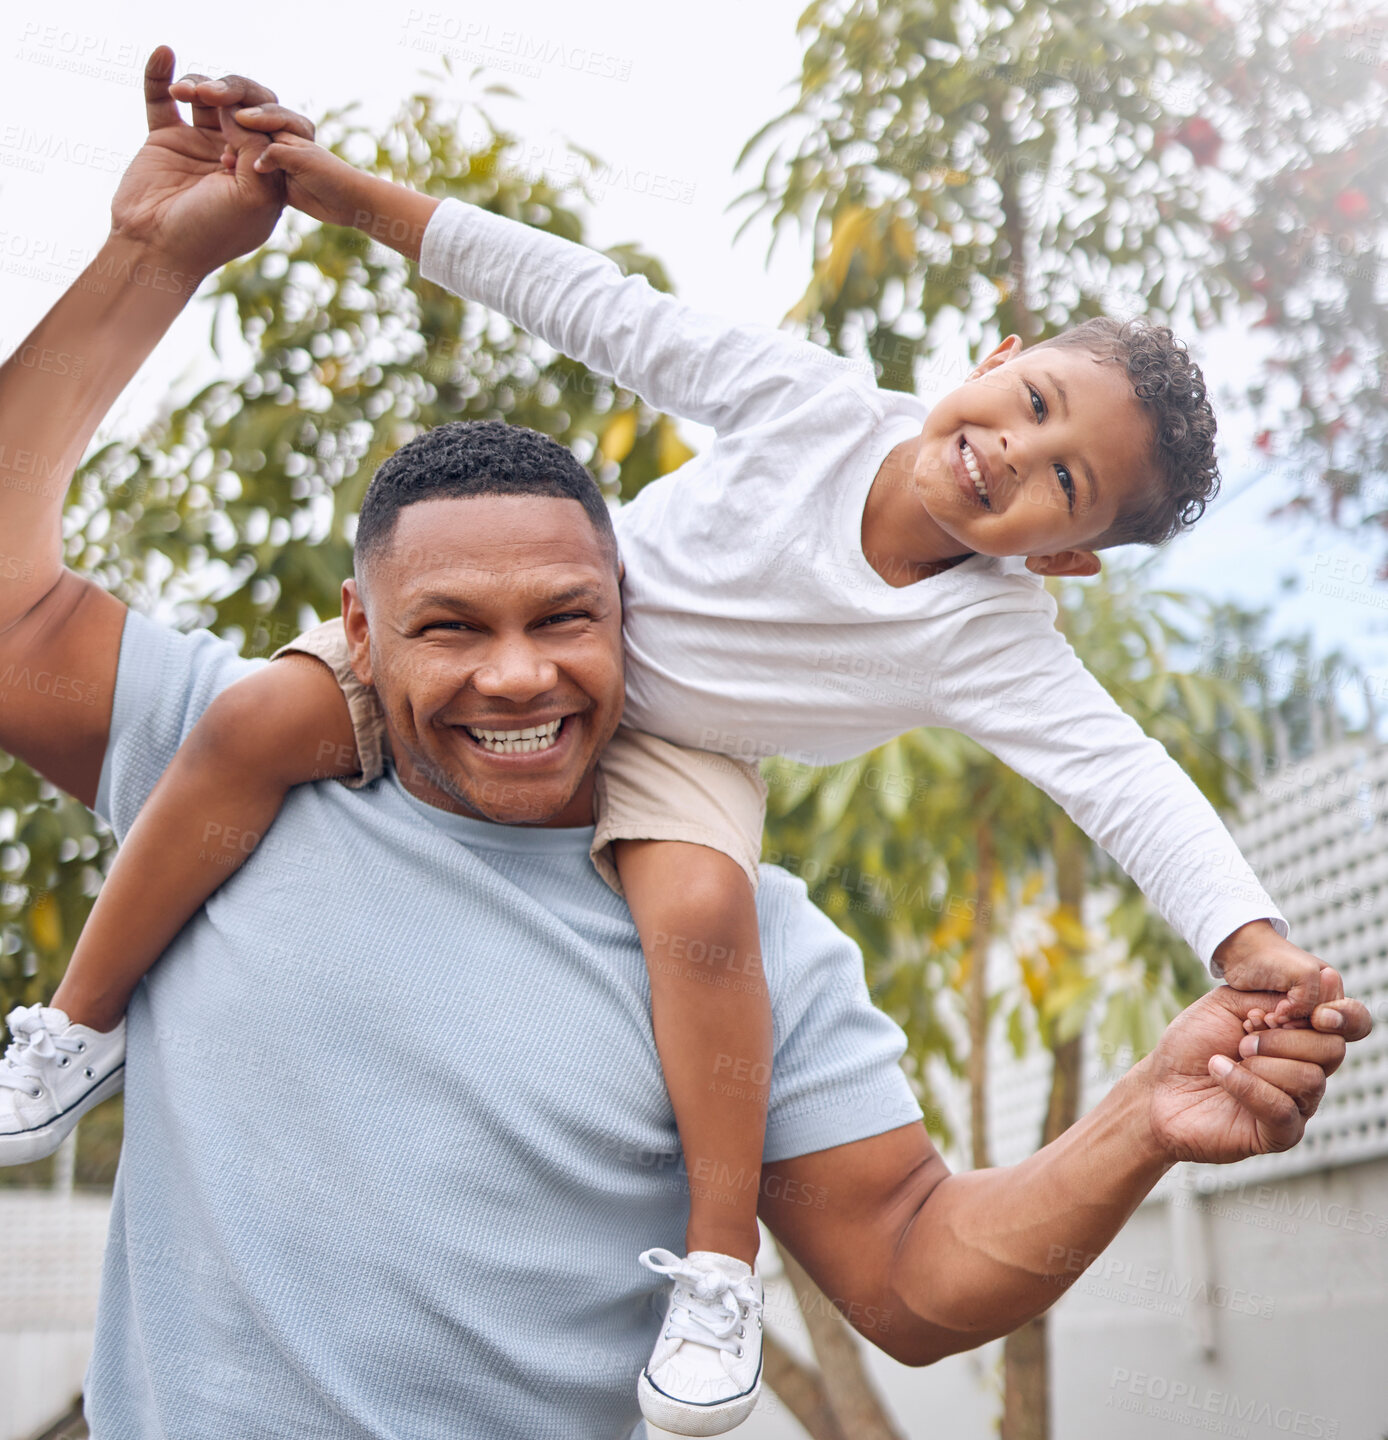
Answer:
(807, 953)
(165, 679)
(836, 1077)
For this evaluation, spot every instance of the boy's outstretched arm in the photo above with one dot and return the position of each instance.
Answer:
(281, 726)
(575, 299)
(1020, 690)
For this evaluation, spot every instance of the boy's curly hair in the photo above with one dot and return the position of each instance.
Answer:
(1172, 391)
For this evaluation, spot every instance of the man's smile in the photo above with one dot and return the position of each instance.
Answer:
(533, 737)
(516, 742)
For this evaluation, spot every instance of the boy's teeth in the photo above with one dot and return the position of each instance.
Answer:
(975, 474)
(517, 742)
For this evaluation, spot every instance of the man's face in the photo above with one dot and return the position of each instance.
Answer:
(485, 617)
(1035, 454)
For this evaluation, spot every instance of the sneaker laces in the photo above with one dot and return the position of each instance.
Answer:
(708, 1306)
(33, 1030)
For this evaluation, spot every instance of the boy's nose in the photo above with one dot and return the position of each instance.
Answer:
(1011, 452)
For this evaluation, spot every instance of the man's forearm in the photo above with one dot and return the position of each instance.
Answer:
(990, 1249)
(54, 392)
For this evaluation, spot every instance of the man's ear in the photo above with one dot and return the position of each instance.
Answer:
(1065, 562)
(999, 355)
(358, 636)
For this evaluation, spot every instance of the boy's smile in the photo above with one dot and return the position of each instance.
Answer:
(1036, 454)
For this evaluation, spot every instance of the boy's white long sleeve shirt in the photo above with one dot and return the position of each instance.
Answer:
(754, 625)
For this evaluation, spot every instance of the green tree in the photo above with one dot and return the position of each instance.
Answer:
(236, 510)
(982, 170)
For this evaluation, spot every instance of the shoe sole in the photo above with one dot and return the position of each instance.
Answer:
(682, 1418)
(37, 1144)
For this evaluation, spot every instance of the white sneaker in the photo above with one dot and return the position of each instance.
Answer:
(704, 1374)
(52, 1074)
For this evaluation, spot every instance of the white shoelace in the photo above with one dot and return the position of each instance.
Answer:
(709, 1306)
(32, 1039)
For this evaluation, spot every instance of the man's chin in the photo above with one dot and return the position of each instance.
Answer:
(502, 799)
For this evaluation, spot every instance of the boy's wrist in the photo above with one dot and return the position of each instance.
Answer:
(393, 214)
(1238, 942)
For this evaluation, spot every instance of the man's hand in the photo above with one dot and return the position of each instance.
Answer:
(1218, 1094)
(1256, 957)
(177, 199)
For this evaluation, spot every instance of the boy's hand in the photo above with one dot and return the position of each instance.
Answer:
(1256, 957)
(319, 183)
(331, 190)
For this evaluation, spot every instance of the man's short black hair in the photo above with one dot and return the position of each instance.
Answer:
(466, 458)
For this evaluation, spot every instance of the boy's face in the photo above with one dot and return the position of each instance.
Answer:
(1036, 454)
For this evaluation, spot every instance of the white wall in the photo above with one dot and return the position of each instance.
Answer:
(50, 1267)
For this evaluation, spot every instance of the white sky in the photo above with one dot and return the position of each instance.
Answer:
(665, 96)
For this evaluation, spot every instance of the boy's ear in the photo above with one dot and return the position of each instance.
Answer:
(999, 355)
(1065, 562)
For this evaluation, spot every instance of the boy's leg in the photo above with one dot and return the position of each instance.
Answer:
(284, 725)
(697, 917)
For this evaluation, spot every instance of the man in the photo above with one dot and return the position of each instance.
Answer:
(393, 1108)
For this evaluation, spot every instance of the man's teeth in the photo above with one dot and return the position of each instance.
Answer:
(975, 474)
(517, 742)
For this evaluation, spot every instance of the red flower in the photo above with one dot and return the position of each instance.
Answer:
(1352, 204)
(1263, 441)
(1201, 138)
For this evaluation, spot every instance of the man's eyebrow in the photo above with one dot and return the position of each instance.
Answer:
(1065, 407)
(461, 604)
(435, 600)
(582, 591)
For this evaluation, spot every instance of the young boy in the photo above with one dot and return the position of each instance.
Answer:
(841, 565)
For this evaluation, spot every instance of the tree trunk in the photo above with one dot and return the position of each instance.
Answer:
(1026, 1403)
(1016, 308)
(799, 1389)
(978, 999)
(1026, 1383)
(853, 1399)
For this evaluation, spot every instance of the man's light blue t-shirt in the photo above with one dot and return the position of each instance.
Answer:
(395, 1126)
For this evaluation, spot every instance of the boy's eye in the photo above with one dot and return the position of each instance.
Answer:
(1037, 404)
(567, 615)
(1067, 484)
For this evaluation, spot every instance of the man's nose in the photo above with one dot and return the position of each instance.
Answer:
(515, 669)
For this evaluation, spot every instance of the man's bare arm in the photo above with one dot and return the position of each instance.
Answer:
(925, 1264)
(178, 213)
